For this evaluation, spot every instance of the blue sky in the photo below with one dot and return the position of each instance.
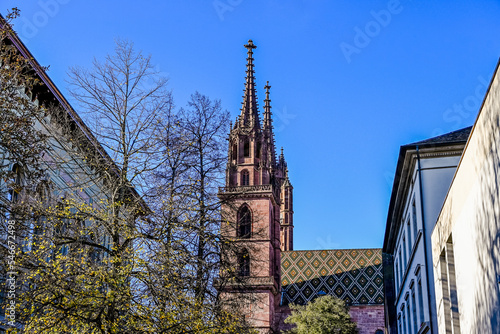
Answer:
(351, 81)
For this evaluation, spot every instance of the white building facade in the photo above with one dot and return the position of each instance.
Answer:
(424, 173)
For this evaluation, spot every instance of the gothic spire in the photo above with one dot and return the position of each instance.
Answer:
(249, 112)
(287, 182)
(267, 108)
(281, 162)
(282, 156)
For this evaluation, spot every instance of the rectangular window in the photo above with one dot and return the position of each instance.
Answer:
(414, 218)
(404, 318)
(400, 268)
(449, 288)
(420, 301)
(404, 253)
(416, 326)
(397, 277)
(410, 240)
(408, 316)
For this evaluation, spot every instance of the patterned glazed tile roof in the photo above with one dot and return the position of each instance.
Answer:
(354, 275)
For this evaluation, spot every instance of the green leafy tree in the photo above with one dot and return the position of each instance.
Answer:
(325, 315)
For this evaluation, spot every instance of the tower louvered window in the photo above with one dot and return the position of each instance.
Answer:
(244, 263)
(244, 222)
(235, 152)
(246, 148)
(245, 178)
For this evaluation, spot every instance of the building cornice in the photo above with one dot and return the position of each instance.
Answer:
(403, 179)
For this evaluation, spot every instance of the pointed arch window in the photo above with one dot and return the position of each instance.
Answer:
(246, 148)
(235, 152)
(245, 177)
(244, 263)
(244, 222)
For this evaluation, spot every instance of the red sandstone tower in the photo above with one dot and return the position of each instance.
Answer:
(253, 200)
(286, 214)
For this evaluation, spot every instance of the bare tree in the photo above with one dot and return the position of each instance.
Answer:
(205, 125)
(142, 254)
(131, 242)
(85, 271)
(124, 99)
(190, 243)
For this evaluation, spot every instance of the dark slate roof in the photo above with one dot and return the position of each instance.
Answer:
(457, 136)
(354, 275)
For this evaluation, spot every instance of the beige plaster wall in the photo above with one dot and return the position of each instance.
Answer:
(471, 215)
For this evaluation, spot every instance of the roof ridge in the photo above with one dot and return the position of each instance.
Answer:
(333, 249)
(460, 135)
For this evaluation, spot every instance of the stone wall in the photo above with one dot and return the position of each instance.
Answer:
(369, 318)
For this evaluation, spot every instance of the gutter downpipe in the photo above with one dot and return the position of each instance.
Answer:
(419, 169)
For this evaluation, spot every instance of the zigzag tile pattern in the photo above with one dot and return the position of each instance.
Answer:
(354, 275)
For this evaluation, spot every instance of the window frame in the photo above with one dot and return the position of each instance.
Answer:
(245, 177)
(244, 227)
(244, 263)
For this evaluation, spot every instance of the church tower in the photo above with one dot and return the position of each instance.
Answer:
(286, 209)
(252, 204)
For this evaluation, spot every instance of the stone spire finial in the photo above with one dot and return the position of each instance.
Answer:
(250, 46)
(281, 162)
(267, 108)
(249, 109)
(267, 88)
(287, 182)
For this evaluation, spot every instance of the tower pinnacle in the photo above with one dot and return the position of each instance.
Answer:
(267, 108)
(250, 46)
(249, 110)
